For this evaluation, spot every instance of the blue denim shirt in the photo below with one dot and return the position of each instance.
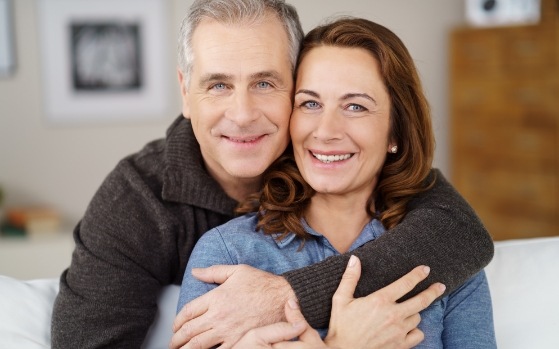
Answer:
(463, 319)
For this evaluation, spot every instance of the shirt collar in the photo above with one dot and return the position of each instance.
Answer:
(371, 231)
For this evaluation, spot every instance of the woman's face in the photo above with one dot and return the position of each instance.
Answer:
(341, 120)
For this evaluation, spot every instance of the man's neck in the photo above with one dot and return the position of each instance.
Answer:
(237, 188)
(241, 188)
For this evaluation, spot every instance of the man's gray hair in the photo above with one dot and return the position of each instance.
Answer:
(233, 12)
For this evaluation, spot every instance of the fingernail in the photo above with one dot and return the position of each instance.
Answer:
(352, 261)
(298, 324)
(426, 270)
(442, 287)
(293, 303)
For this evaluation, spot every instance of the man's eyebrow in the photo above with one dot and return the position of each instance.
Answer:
(269, 74)
(212, 77)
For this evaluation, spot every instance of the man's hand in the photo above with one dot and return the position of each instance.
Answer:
(377, 321)
(246, 298)
(278, 335)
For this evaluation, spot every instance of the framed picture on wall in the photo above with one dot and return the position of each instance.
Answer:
(104, 60)
(7, 47)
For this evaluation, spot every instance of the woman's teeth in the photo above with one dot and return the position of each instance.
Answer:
(331, 158)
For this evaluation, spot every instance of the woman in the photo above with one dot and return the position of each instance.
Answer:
(362, 147)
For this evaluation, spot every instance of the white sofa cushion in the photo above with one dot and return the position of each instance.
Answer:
(524, 283)
(160, 333)
(523, 278)
(25, 312)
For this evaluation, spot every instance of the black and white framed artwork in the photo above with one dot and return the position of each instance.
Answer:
(104, 60)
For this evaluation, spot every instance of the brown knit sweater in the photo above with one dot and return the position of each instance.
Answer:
(141, 225)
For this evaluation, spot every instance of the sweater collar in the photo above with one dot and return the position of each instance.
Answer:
(185, 177)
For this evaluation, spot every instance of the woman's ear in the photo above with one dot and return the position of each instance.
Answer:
(184, 94)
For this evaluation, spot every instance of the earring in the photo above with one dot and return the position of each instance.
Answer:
(394, 149)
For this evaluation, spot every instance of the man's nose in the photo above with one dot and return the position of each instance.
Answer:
(244, 108)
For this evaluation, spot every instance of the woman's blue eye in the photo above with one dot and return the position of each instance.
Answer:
(311, 105)
(355, 107)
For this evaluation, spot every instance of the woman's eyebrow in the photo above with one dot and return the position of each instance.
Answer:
(362, 95)
(344, 97)
(308, 92)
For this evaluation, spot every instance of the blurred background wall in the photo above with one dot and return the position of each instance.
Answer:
(63, 165)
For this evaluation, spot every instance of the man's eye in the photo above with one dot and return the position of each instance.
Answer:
(219, 86)
(263, 85)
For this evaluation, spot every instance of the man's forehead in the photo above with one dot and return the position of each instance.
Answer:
(238, 52)
(258, 75)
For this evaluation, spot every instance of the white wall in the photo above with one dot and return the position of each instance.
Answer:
(64, 165)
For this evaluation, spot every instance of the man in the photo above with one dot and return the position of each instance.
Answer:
(141, 225)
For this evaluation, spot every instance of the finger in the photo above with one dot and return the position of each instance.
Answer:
(191, 310)
(208, 339)
(216, 274)
(295, 317)
(293, 312)
(352, 273)
(190, 330)
(298, 345)
(278, 332)
(289, 345)
(270, 334)
(424, 299)
(311, 336)
(414, 337)
(412, 321)
(405, 284)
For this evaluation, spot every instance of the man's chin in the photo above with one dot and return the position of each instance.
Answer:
(247, 169)
(244, 174)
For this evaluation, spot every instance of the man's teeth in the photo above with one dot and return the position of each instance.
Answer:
(331, 158)
(243, 140)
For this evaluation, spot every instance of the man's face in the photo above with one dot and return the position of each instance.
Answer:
(239, 96)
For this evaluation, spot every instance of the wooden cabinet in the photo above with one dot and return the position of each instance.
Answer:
(505, 124)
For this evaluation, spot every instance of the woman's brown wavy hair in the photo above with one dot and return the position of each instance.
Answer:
(285, 195)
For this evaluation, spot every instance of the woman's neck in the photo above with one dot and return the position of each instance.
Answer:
(339, 218)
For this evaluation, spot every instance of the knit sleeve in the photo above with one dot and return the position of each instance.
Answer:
(123, 255)
(440, 230)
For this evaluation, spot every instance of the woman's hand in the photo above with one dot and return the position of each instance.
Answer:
(377, 321)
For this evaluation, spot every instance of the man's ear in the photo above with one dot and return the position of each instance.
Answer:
(184, 94)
